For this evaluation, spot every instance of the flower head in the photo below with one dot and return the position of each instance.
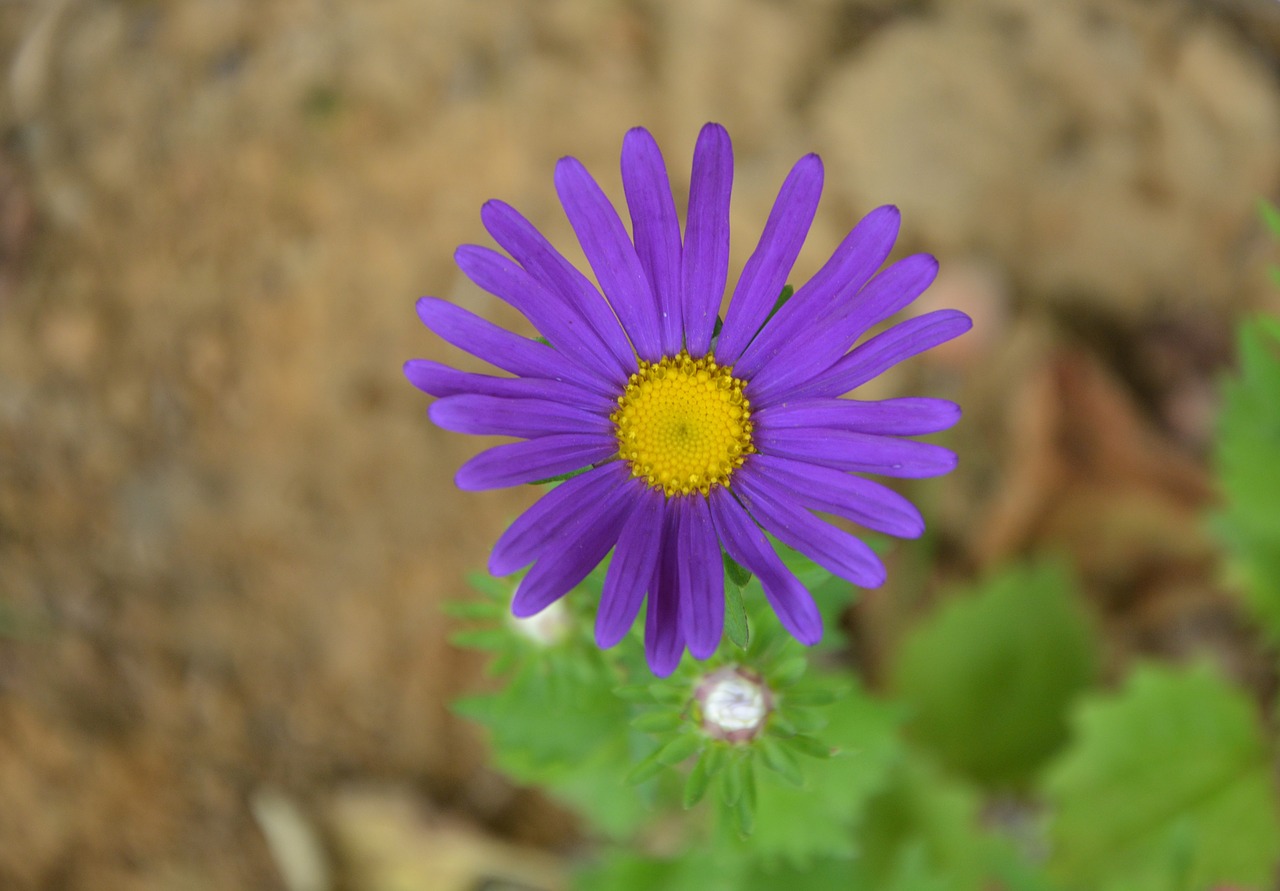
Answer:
(692, 439)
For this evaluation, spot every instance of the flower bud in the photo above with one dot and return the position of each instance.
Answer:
(735, 703)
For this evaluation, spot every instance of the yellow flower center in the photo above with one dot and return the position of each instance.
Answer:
(683, 424)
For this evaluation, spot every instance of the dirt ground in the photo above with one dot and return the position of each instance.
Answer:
(226, 527)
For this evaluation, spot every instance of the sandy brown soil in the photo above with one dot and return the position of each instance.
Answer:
(226, 528)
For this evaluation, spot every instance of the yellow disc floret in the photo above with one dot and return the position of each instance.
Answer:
(683, 424)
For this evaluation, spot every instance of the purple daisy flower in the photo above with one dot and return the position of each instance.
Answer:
(693, 440)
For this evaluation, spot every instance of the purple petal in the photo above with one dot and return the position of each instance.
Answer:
(611, 255)
(499, 347)
(768, 267)
(562, 326)
(656, 230)
(896, 417)
(871, 359)
(631, 569)
(435, 379)
(852, 497)
(663, 636)
(859, 452)
(804, 358)
(854, 261)
(525, 243)
(747, 545)
(706, 237)
(701, 577)
(533, 460)
(583, 543)
(492, 415)
(537, 528)
(774, 508)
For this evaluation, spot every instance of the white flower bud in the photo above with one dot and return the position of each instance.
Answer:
(735, 703)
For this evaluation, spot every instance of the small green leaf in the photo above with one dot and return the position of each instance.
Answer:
(806, 721)
(634, 693)
(647, 769)
(699, 778)
(778, 758)
(735, 617)
(731, 780)
(807, 745)
(787, 291)
(670, 692)
(744, 814)
(658, 722)
(680, 748)
(737, 573)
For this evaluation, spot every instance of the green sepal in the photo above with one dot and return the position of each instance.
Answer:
(744, 809)
(699, 778)
(781, 761)
(681, 748)
(646, 770)
(634, 693)
(669, 693)
(658, 722)
(732, 780)
(780, 725)
(806, 721)
(807, 745)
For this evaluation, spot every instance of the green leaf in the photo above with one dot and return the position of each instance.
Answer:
(647, 769)
(1167, 785)
(1246, 455)
(1270, 216)
(699, 778)
(731, 779)
(922, 826)
(658, 722)
(778, 758)
(696, 871)
(800, 824)
(990, 677)
(737, 573)
(681, 748)
(735, 613)
(807, 745)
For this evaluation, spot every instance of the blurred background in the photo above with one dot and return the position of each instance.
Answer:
(226, 527)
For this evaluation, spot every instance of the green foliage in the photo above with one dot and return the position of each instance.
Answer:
(835, 790)
(1167, 787)
(989, 678)
(1247, 457)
